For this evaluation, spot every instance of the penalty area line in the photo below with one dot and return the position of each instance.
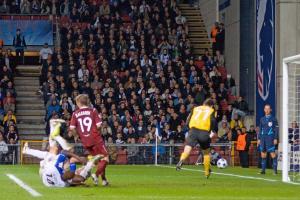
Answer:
(224, 174)
(23, 185)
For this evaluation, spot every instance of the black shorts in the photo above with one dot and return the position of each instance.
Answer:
(197, 136)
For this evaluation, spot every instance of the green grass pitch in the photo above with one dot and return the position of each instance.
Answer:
(154, 182)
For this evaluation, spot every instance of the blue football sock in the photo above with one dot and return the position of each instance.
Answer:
(263, 164)
(72, 167)
(275, 164)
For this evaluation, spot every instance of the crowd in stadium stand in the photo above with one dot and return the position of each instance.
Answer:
(8, 129)
(135, 62)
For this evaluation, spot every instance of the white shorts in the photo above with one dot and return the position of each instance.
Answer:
(48, 160)
(52, 178)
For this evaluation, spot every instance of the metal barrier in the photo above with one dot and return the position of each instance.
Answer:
(139, 153)
(9, 154)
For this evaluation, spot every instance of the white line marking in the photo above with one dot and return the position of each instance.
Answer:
(23, 185)
(225, 174)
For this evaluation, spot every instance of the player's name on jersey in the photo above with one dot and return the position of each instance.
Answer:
(85, 112)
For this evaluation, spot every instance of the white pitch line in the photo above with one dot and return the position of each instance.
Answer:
(23, 185)
(225, 174)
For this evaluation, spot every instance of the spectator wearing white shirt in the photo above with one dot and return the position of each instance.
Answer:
(44, 53)
(3, 148)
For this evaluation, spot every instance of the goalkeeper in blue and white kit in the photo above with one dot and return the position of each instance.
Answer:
(268, 138)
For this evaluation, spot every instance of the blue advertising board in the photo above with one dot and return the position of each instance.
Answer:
(265, 56)
(36, 32)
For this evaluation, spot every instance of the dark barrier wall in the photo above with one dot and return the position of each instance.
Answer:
(247, 51)
(36, 32)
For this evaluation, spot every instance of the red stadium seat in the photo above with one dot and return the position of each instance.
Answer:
(36, 17)
(25, 17)
(193, 156)
(44, 17)
(122, 157)
(16, 17)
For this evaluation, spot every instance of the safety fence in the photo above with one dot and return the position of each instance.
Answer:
(137, 153)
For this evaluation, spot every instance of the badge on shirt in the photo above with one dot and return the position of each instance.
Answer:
(270, 124)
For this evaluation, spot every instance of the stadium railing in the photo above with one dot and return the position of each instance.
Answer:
(137, 153)
(9, 154)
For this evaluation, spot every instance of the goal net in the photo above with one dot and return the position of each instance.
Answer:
(291, 120)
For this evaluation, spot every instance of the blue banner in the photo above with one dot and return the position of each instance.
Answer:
(36, 32)
(265, 56)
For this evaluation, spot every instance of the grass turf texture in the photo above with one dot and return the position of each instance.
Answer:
(151, 182)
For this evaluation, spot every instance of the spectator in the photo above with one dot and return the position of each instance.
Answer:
(4, 8)
(241, 104)
(14, 8)
(64, 8)
(12, 135)
(294, 133)
(132, 152)
(252, 133)
(223, 129)
(112, 150)
(243, 144)
(3, 148)
(213, 34)
(236, 122)
(19, 42)
(35, 7)
(9, 116)
(9, 103)
(220, 39)
(26, 7)
(45, 52)
(53, 108)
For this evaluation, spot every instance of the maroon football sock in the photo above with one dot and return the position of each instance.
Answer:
(101, 169)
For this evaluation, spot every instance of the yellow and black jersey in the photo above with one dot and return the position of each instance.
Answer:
(203, 118)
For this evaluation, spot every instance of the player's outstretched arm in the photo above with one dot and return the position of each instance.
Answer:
(73, 155)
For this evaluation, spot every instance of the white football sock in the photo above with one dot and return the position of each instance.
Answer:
(52, 142)
(87, 168)
(62, 142)
(36, 153)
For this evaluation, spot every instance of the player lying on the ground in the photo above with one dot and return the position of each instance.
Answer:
(55, 169)
(59, 169)
(201, 123)
(86, 123)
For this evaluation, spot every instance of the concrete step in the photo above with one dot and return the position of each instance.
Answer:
(21, 78)
(31, 131)
(25, 106)
(198, 34)
(196, 24)
(22, 93)
(32, 126)
(31, 119)
(192, 19)
(197, 28)
(29, 68)
(200, 41)
(29, 74)
(26, 82)
(29, 100)
(29, 136)
(30, 112)
(27, 88)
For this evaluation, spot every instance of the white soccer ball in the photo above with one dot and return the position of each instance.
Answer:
(222, 163)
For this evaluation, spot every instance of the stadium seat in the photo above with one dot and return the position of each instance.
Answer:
(122, 157)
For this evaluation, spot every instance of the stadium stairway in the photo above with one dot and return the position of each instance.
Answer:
(197, 30)
(30, 109)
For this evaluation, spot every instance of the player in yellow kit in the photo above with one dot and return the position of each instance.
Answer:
(202, 123)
